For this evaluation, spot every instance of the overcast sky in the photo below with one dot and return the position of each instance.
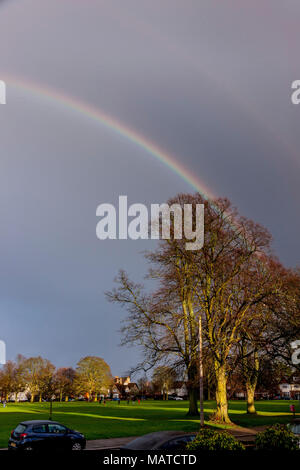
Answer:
(208, 81)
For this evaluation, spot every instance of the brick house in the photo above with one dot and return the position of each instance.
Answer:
(124, 388)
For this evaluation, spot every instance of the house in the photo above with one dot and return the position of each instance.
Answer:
(122, 380)
(290, 390)
(179, 389)
(124, 388)
(20, 396)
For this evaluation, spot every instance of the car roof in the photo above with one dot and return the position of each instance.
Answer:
(39, 421)
(152, 439)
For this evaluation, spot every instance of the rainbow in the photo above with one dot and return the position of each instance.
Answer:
(114, 125)
(118, 127)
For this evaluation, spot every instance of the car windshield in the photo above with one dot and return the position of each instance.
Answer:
(20, 428)
(149, 441)
(143, 442)
(177, 442)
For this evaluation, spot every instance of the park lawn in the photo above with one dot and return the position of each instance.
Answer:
(113, 420)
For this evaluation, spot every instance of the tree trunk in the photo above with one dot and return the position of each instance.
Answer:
(251, 382)
(193, 391)
(66, 398)
(250, 398)
(60, 396)
(40, 398)
(32, 398)
(221, 394)
(16, 397)
(193, 398)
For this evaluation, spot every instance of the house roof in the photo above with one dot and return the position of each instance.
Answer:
(122, 388)
(132, 385)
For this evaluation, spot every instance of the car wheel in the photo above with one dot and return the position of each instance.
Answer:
(76, 446)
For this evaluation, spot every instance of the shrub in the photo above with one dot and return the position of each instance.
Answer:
(276, 437)
(207, 439)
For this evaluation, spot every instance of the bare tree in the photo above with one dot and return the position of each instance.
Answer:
(284, 325)
(64, 382)
(222, 282)
(38, 375)
(163, 378)
(93, 376)
(8, 379)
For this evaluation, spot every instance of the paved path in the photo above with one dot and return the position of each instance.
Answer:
(244, 434)
(112, 443)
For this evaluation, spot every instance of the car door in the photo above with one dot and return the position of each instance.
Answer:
(40, 437)
(58, 436)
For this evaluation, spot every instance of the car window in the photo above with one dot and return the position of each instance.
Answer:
(40, 428)
(20, 428)
(56, 428)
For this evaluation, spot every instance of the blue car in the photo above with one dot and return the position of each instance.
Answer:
(42, 435)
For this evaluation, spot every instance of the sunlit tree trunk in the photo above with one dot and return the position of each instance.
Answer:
(250, 399)
(221, 394)
(251, 382)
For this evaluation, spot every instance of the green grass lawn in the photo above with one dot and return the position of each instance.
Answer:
(113, 420)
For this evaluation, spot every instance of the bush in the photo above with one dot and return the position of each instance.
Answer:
(207, 439)
(276, 437)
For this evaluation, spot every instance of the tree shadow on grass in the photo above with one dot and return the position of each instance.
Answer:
(247, 420)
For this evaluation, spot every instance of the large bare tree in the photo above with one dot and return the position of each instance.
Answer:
(38, 376)
(222, 282)
(93, 376)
